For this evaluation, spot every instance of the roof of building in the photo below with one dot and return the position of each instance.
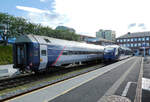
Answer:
(99, 39)
(136, 34)
(105, 40)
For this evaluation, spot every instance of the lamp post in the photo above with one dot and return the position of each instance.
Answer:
(144, 47)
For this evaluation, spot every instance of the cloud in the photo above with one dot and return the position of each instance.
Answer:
(34, 10)
(131, 25)
(142, 25)
(44, 17)
(134, 27)
(43, 0)
(92, 15)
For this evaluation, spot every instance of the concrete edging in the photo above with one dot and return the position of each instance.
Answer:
(138, 96)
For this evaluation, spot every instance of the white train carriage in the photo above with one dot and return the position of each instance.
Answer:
(116, 52)
(37, 53)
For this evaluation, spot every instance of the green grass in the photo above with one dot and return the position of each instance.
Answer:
(6, 55)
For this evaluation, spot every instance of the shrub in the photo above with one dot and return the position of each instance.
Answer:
(6, 54)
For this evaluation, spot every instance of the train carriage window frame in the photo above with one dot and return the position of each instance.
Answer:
(43, 52)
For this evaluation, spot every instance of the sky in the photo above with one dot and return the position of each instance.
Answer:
(85, 16)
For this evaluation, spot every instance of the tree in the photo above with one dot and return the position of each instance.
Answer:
(4, 27)
(15, 26)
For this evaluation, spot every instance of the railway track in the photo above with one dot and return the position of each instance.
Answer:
(19, 81)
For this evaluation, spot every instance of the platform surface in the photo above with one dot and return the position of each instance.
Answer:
(146, 80)
(118, 79)
(7, 71)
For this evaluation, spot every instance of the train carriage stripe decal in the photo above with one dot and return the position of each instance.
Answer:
(59, 56)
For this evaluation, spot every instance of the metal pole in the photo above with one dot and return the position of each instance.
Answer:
(144, 46)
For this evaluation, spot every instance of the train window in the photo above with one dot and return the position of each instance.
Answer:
(35, 53)
(65, 53)
(77, 52)
(43, 52)
(120, 40)
(70, 53)
(47, 40)
(109, 49)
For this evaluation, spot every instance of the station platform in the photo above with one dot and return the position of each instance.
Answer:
(7, 71)
(118, 79)
(146, 80)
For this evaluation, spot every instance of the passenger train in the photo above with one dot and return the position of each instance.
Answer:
(116, 52)
(39, 53)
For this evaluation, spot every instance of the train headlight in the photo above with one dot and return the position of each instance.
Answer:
(41, 60)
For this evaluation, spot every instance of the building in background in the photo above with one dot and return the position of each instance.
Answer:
(101, 41)
(65, 28)
(106, 34)
(86, 38)
(137, 41)
(95, 40)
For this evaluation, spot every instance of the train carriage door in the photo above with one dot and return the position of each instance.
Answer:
(43, 57)
(21, 54)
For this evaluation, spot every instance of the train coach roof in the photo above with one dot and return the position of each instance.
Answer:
(115, 46)
(54, 41)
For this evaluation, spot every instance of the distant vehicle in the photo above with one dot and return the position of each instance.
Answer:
(116, 52)
(39, 53)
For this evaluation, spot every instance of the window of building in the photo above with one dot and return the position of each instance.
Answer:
(131, 39)
(147, 44)
(143, 44)
(120, 40)
(135, 45)
(128, 40)
(131, 45)
(143, 39)
(125, 40)
(117, 40)
(135, 39)
(147, 38)
(128, 45)
(139, 44)
(139, 39)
